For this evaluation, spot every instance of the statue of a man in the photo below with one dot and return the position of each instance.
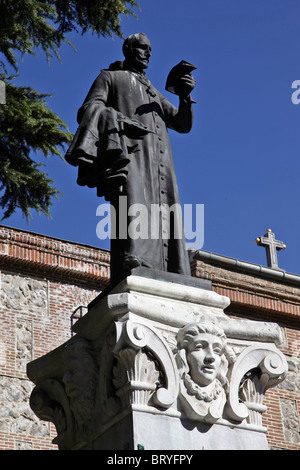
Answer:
(122, 148)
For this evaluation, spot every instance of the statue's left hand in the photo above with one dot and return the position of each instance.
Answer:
(186, 85)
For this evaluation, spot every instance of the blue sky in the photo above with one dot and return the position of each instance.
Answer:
(241, 159)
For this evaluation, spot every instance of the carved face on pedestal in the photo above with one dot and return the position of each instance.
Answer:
(204, 357)
(202, 362)
(204, 345)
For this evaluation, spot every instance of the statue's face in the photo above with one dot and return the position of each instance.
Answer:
(140, 52)
(204, 358)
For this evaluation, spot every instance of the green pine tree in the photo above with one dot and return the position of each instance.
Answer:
(27, 124)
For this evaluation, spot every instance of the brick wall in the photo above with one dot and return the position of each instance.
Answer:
(43, 280)
(261, 294)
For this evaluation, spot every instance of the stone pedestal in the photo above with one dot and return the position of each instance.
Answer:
(156, 364)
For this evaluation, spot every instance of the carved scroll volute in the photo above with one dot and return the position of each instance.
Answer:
(272, 365)
(69, 400)
(144, 337)
(50, 403)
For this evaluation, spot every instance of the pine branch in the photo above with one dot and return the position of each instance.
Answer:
(26, 125)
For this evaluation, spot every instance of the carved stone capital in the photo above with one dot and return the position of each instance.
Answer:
(157, 350)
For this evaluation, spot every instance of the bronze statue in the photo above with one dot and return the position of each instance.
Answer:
(122, 148)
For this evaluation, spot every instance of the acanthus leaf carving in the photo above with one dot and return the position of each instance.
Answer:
(251, 393)
(135, 377)
(144, 337)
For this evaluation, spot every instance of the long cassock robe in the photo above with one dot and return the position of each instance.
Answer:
(124, 119)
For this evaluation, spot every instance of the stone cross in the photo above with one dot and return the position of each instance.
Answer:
(271, 245)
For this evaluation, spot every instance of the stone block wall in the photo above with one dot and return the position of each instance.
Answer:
(283, 415)
(268, 296)
(42, 282)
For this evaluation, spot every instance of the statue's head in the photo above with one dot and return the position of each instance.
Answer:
(204, 345)
(137, 51)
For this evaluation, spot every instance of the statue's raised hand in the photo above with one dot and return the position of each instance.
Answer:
(186, 85)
